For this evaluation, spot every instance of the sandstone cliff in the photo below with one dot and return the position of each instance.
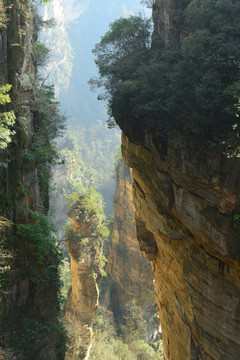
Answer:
(186, 196)
(84, 243)
(131, 281)
(29, 284)
(183, 199)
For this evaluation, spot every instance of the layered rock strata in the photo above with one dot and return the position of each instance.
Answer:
(183, 200)
(187, 198)
(131, 281)
(85, 249)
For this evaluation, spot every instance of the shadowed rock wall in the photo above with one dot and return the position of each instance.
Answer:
(129, 273)
(24, 306)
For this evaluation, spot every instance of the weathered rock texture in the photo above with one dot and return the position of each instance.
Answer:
(85, 249)
(185, 195)
(131, 278)
(24, 308)
(183, 198)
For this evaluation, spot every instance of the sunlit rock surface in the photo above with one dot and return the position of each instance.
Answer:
(84, 249)
(185, 195)
(183, 198)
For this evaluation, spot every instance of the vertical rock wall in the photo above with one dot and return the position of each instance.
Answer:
(85, 249)
(186, 199)
(129, 273)
(183, 199)
(24, 307)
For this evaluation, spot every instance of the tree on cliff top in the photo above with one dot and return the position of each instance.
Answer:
(190, 82)
(121, 51)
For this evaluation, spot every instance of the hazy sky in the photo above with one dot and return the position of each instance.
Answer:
(81, 23)
(73, 9)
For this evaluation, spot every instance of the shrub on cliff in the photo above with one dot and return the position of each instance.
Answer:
(29, 330)
(7, 118)
(3, 16)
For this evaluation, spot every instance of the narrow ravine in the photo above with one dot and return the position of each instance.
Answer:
(119, 218)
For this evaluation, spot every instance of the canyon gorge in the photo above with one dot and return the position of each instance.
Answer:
(165, 274)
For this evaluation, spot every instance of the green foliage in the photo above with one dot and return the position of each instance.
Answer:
(122, 50)
(40, 53)
(78, 175)
(109, 346)
(147, 3)
(143, 351)
(50, 118)
(32, 328)
(7, 118)
(49, 125)
(89, 209)
(31, 324)
(48, 121)
(42, 251)
(3, 16)
(92, 201)
(73, 197)
(97, 149)
(33, 333)
(132, 323)
(65, 275)
(8, 198)
(6, 256)
(190, 83)
(234, 217)
(4, 97)
(29, 331)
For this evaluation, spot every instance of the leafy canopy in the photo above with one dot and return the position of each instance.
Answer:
(121, 51)
(189, 78)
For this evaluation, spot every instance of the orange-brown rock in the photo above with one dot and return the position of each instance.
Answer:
(182, 199)
(131, 278)
(186, 197)
(84, 246)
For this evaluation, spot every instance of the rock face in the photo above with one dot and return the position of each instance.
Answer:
(187, 200)
(182, 200)
(85, 248)
(24, 307)
(131, 278)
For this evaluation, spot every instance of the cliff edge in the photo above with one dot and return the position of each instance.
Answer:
(184, 198)
(186, 186)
